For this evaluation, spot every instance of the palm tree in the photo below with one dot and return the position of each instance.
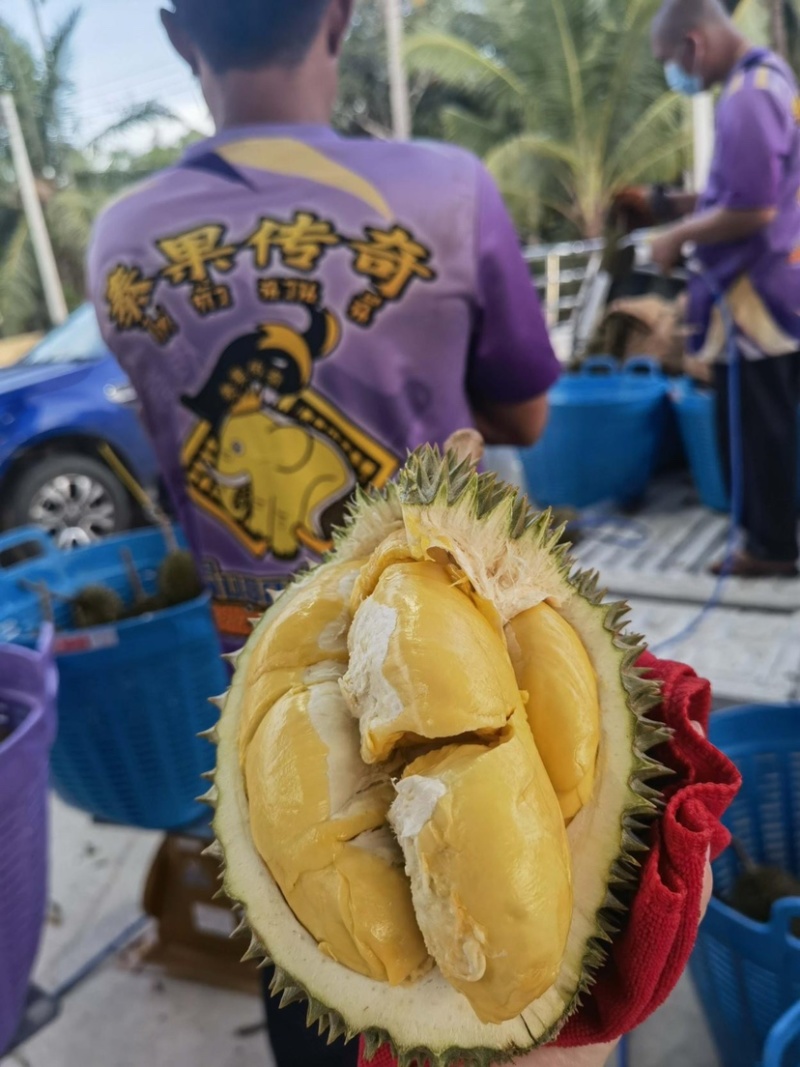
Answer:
(568, 107)
(70, 191)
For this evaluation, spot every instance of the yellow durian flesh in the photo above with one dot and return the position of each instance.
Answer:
(425, 663)
(315, 629)
(264, 692)
(304, 645)
(487, 854)
(316, 811)
(394, 549)
(563, 704)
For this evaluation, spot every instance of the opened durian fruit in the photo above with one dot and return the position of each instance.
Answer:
(432, 774)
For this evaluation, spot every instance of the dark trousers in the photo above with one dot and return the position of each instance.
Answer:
(296, 1045)
(770, 394)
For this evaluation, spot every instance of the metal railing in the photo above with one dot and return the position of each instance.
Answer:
(561, 272)
(567, 278)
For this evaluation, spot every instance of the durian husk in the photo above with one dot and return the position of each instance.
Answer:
(516, 559)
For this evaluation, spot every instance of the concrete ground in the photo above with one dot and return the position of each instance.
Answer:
(124, 1015)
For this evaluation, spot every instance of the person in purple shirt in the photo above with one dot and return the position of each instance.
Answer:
(746, 229)
(297, 311)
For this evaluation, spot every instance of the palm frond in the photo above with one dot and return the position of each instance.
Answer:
(662, 163)
(461, 65)
(533, 146)
(663, 119)
(21, 301)
(469, 130)
(137, 115)
(573, 68)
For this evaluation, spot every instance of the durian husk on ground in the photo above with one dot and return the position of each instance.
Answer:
(516, 560)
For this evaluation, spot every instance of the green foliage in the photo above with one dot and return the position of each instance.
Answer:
(566, 105)
(72, 186)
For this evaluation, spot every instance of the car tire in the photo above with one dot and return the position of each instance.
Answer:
(73, 497)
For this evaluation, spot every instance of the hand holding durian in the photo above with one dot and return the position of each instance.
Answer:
(432, 773)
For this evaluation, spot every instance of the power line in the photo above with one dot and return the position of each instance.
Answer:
(152, 72)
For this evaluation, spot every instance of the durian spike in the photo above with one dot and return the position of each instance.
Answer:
(133, 575)
(466, 444)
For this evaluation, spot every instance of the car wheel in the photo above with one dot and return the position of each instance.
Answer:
(74, 498)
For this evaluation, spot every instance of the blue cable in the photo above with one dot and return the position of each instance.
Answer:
(737, 461)
(624, 1054)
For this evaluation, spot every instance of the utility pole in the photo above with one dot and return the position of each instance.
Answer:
(37, 18)
(48, 270)
(398, 75)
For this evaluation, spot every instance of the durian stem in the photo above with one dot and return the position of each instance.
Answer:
(45, 597)
(133, 575)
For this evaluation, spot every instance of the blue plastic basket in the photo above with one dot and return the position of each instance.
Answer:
(133, 695)
(748, 973)
(783, 1044)
(604, 436)
(696, 408)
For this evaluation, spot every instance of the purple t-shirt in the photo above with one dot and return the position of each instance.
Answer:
(756, 165)
(296, 311)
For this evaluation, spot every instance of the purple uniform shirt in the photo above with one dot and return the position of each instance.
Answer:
(756, 165)
(296, 311)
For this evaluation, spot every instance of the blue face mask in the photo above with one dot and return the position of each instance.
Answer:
(681, 82)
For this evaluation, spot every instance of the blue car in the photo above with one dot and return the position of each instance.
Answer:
(57, 406)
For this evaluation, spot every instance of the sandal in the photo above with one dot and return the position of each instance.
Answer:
(744, 565)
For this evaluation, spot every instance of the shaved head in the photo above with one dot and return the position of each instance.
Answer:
(678, 18)
(699, 37)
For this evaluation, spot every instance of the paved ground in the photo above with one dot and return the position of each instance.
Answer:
(124, 1016)
(747, 643)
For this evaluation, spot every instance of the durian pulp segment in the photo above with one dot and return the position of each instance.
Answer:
(486, 851)
(563, 706)
(318, 819)
(425, 663)
(306, 643)
(316, 627)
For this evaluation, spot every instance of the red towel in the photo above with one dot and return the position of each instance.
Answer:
(650, 954)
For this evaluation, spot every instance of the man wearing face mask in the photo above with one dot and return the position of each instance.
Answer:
(746, 230)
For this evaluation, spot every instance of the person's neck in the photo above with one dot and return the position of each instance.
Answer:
(276, 96)
(736, 48)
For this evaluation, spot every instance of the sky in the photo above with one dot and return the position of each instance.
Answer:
(120, 57)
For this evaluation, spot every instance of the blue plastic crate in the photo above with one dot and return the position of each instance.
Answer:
(133, 695)
(604, 437)
(783, 1044)
(748, 973)
(696, 408)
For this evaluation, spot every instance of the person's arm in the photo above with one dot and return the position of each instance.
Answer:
(682, 204)
(513, 424)
(511, 364)
(590, 1056)
(752, 141)
(718, 225)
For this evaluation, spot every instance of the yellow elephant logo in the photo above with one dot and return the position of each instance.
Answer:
(271, 458)
(276, 478)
